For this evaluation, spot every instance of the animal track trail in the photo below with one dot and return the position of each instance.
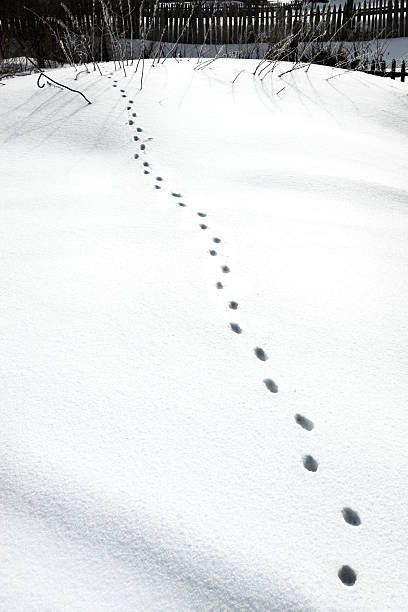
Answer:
(304, 422)
(271, 385)
(236, 328)
(351, 517)
(260, 354)
(346, 574)
(310, 463)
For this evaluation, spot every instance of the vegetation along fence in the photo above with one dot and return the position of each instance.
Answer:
(224, 23)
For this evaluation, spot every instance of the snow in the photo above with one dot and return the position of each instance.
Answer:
(377, 49)
(145, 464)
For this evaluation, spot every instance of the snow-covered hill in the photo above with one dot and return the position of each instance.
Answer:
(204, 341)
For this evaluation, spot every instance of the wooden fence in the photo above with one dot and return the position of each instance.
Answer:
(232, 23)
(223, 24)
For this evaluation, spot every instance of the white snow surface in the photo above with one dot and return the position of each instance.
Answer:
(144, 463)
(386, 49)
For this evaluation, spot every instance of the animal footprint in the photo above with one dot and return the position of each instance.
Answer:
(176, 195)
(351, 517)
(145, 164)
(157, 187)
(236, 328)
(131, 101)
(310, 463)
(122, 91)
(219, 285)
(233, 305)
(135, 138)
(347, 575)
(304, 422)
(142, 147)
(203, 226)
(271, 385)
(130, 122)
(200, 214)
(225, 269)
(146, 172)
(260, 353)
(217, 240)
(139, 129)
(136, 156)
(181, 204)
(134, 115)
(213, 253)
(159, 178)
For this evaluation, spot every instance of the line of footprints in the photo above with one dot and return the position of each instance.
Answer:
(346, 574)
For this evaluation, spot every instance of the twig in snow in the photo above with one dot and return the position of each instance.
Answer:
(48, 78)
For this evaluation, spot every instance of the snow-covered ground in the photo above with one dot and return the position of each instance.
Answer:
(170, 256)
(385, 49)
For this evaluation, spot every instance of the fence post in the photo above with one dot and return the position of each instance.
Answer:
(389, 19)
(326, 19)
(403, 71)
(163, 28)
(406, 19)
(234, 24)
(224, 25)
(261, 33)
(401, 19)
(339, 24)
(379, 17)
(393, 69)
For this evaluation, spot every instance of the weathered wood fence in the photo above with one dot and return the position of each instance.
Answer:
(230, 23)
(223, 24)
